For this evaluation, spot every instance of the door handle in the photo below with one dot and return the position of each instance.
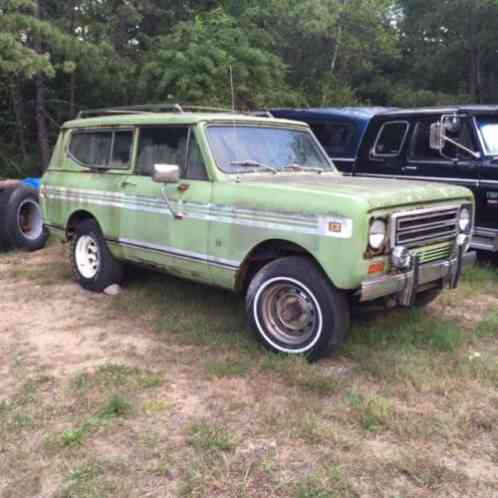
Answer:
(409, 168)
(125, 183)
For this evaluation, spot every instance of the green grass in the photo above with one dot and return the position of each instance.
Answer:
(298, 372)
(113, 375)
(231, 366)
(373, 412)
(328, 482)
(210, 437)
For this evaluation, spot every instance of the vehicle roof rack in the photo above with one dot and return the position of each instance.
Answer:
(151, 109)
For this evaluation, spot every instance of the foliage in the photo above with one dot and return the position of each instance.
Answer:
(59, 57)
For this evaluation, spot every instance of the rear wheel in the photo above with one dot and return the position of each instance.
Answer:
(93, 265)
(294, 309)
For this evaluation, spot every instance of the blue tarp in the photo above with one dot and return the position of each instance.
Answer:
(32, 182)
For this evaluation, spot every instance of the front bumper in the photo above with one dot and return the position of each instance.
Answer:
(404, 286)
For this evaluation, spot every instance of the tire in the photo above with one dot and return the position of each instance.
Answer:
(5, 194)
(294, 309)
(426, 297)
(93, 265)
(23, 228)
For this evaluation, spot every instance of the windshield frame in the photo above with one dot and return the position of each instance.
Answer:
(273, 126)
(477, 123)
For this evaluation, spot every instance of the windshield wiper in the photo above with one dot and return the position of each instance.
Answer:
(253, 164)
(298, 167)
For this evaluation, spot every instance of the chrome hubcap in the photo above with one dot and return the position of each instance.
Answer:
(87, 256)
(29, 219)
(289, 313)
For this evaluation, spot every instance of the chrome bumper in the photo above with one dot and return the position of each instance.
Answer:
(404, 286)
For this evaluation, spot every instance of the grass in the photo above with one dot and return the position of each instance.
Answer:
(407, 407)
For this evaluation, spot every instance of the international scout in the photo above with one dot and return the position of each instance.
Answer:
(251, 204)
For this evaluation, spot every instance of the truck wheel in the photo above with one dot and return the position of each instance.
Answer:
(93, 265)
(293, 308)
(24, 220)
(426, 297)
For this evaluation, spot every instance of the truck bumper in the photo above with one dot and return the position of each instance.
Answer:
(404, 286)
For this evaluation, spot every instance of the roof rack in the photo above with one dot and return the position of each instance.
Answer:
(151, 109)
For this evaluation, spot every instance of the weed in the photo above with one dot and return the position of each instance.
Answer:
(374, 412)
(328, 482)
(117, 406)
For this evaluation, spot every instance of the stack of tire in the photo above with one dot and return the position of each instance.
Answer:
(21, 220)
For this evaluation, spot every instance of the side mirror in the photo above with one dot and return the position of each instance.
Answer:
(436, 137)
(166, 173)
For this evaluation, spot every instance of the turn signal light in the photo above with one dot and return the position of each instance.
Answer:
(377, 267)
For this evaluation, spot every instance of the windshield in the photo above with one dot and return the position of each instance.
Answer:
(247, 149)
(489, 132)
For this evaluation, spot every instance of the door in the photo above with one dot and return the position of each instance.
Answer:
(452, 165)
(167, 224)
(387, 154)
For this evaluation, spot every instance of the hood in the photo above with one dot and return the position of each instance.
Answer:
(377, 193)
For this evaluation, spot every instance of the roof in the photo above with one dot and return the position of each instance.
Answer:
(185, 118)
(347, 113)
(470, 109)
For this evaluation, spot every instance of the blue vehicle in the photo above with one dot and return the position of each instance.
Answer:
(340, 130)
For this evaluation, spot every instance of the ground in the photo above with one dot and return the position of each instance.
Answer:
(162, 391)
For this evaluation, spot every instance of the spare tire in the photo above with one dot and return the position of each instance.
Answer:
(5, 193)
(22, 226)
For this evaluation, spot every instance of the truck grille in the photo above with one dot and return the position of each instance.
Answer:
(425, 227)
(434, 252)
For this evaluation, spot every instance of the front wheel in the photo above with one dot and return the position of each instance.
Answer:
(93, 265)
(293, 308)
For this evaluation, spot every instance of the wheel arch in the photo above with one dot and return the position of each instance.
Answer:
(265, 252)
(75, 218)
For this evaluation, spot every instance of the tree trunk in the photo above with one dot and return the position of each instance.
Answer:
(18, 104)
(40, 106)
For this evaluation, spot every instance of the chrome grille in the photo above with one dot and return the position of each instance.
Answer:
(434, 252)
(425, 227)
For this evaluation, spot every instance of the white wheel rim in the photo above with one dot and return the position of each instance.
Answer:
(30, 219)
(268, 338)
(87, 256)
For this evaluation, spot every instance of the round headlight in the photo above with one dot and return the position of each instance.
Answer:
(464, 219)
(377, 234)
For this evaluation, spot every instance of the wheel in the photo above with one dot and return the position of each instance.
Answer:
(5, 194)
(426, 297)
(293, 308)
(24, 220)
(93, 265)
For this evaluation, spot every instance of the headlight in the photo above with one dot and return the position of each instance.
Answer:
(377, 234)
(464, 219)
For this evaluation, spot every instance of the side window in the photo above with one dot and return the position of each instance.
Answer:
(420, 146)
(161, 145)
(390, 139)
(91, 148)
(102, 149)
(335, 138)
(121, 151)
(196, 169)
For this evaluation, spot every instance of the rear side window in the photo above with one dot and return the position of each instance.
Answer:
(390, 139)
(102, 149)
(336, 138)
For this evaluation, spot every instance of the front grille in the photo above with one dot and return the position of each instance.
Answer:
(425, 227)
(434, 252)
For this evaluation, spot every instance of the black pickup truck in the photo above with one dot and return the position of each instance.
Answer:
(445, 144)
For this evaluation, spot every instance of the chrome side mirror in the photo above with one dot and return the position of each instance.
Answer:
(436, 137)
(166, 173)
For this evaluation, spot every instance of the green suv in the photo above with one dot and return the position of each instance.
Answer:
(251, 204)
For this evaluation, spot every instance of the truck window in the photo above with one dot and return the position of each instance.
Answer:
(390, 139)
(335, 138)
(102, 149)
(420, 145)
(168, 145)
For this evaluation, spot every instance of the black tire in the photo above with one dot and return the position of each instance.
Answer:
(5, 194)
(426, 297)
(106, 271)
(23, 220)
(305, 314)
